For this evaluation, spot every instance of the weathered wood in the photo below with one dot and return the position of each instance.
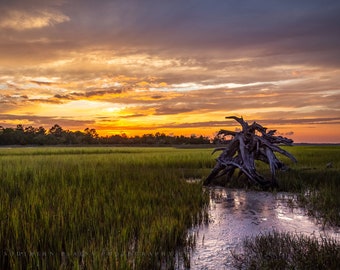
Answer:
(250, 144)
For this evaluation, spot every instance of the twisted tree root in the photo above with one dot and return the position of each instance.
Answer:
(250, 144)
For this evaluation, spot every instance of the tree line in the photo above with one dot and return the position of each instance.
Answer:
(56, 135)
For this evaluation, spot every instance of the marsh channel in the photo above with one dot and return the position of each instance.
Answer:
(237, 214)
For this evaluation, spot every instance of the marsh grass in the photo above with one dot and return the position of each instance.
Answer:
(317, 183)
(99, 208)
(317, 186)
(281, 250)
(129, 208)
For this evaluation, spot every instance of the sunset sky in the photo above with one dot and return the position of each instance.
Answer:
(175, 66)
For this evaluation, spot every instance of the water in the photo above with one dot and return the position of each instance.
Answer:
(236, 214)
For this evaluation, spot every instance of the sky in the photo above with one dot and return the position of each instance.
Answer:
(176, 67)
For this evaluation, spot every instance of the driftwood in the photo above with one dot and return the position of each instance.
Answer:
(254, 142)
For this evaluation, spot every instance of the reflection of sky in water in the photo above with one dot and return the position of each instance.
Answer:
(236, 214)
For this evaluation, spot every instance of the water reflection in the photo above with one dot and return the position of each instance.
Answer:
(236, 214)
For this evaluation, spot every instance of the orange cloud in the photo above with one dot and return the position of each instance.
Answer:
(21, 20)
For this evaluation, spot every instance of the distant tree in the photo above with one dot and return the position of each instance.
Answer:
(91, 135)
(220, 139)
(41, 131)
(19, 135)
(8, 136)
(20, 128)
(56, 130)
(57, 135)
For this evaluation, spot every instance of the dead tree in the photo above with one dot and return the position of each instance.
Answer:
(254, 142)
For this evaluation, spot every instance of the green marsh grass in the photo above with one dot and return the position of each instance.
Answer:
(316, 178)
(125, 207)
(281, 250)
(99, 208)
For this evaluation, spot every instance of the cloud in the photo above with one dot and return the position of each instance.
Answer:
(195, 30)
(21, 20)
(225, 29)
(156, 96)
(133, 115)
(42, 83)
(189, 61)
(176, 109)
(264, 122)
(11, 120)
